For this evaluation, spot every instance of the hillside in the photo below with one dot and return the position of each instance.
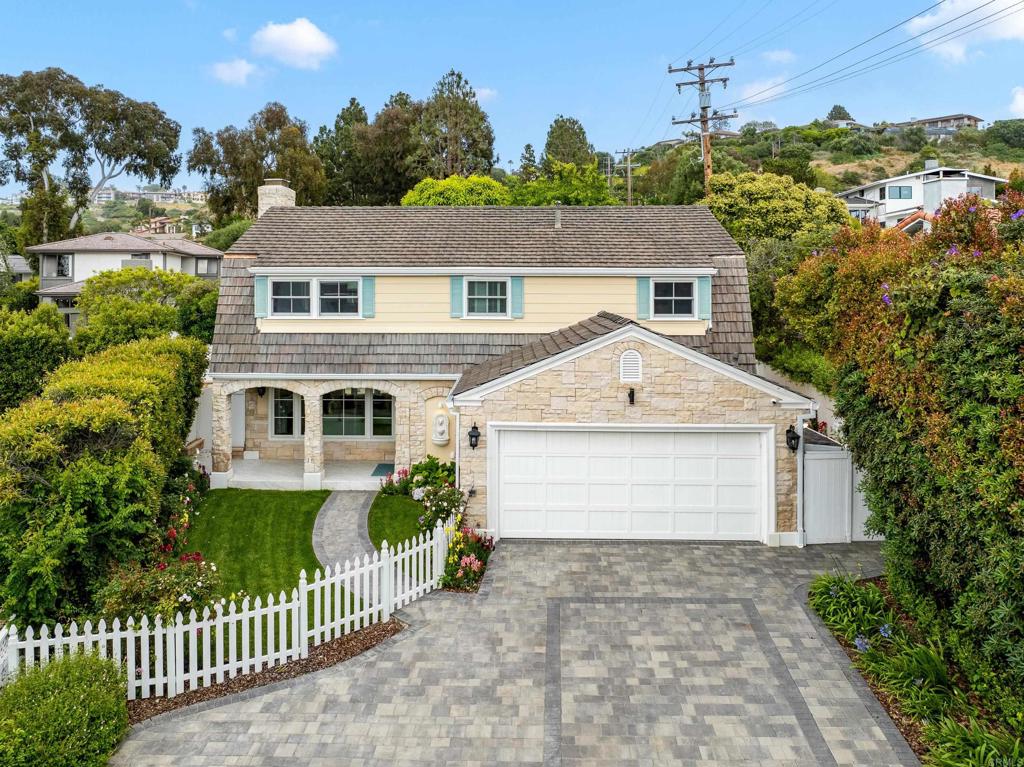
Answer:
(892, 162)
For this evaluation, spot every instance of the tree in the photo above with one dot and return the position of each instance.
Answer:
(751, 205)
(794, 160)
(1009, 132)
(566, 143)
(913, 139)
(457, 135)
(677, 178)
(225, 237)
(33, 344)
(235, 161)
(456, 190)
(566, 184)
(45, 217)
(344, 169)
(391, 151)
(528, 170)
(838, 112)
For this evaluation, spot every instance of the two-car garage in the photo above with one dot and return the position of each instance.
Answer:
(630, 482)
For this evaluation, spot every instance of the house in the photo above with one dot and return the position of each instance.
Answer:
(17, 266)
(890, 200)
(64, 266)
(158, 225)
(104, 194)
(589, 369)
(939, 128)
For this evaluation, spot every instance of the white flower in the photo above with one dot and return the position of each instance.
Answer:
(213, 567)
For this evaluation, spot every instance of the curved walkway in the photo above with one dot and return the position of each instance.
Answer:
(339, 532)
(573, 654)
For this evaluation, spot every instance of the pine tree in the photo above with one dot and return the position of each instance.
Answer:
(528, 170)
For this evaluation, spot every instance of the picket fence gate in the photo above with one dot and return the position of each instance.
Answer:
(231, 640)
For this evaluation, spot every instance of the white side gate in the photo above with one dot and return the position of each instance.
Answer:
(834, 507)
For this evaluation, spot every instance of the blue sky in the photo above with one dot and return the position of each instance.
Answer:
(213, 63)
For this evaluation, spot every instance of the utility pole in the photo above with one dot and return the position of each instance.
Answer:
(628, 165)
(706, 114)
(608, 170)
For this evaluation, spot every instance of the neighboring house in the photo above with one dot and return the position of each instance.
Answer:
(104, 194)
(65, 266)
(890, 200)
(589, 369)
(18, 266)
(939, 128)
(851, 125)
(158, 225)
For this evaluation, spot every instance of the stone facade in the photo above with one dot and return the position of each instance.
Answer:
(587, 389)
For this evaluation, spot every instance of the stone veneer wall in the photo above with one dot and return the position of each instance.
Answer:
(587, 390)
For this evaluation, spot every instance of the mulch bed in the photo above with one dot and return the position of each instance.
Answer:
(320, 657)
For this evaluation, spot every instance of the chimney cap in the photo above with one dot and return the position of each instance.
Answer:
(275, 182)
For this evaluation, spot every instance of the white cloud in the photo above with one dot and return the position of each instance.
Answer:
(763, 89)
(300, 44)
(234, 72)
(780, 56)
(999, 27)
(486, 94)
(230, 34)
(1017, 104)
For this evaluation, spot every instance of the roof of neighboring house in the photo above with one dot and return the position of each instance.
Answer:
(67, 289)
(815, 437)
(560, 236)
(922, 172)
(919, 215)
(18, 264)
(934, 119)
(120, 242)
(239, 348)
(857, 200)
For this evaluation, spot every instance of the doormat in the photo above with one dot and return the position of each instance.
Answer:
(383, 469)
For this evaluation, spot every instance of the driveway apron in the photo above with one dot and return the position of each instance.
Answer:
(581, 653)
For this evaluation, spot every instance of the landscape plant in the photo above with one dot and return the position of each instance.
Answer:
(468, 554)
(33, 344)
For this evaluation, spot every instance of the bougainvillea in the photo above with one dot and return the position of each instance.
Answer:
(927, 334)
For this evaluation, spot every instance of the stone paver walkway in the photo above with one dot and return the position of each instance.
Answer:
(339, 532)
(604, 654)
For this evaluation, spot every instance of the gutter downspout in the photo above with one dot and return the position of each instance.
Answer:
(800, 422)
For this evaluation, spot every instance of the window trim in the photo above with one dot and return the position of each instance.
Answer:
(270, 298)
(358, 313)
(674, 317)
(366, 436)
(298, 416)
(890, 187)
(465, 298)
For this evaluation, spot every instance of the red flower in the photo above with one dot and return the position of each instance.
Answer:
(172, 533)
(161, 566)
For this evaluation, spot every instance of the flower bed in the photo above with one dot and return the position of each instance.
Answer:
(925, 695)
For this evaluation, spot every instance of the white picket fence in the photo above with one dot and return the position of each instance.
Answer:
(202, 649)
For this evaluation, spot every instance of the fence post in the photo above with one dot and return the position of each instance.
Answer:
(439, 554)
(387, 581)
(13, 665)
(303, 616)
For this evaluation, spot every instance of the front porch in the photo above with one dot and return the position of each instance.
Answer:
(280, 474)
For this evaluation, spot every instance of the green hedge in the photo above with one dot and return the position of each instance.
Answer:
(69, 712)
(82, 468)
(33, 345)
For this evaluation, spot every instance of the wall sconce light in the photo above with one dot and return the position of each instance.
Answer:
(474, 436)
(632, 396)
(792, 438)
(261, 390)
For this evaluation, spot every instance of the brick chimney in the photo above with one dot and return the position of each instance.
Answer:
(275, 192)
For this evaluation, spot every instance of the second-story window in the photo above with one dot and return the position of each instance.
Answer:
(289, 297)
(63, 266)
(339, 296)
(486, 298)
(901, 192)
(673, 299)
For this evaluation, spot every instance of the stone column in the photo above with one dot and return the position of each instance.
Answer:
(403, 436)
(220, 450)
(313, 455)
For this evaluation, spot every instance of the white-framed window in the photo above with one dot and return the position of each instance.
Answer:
(487, 297)
(288, 414)
(630, 366)
(358, 413)
(901, 192)
(975, 190)
(289, 297)
(674, 299)
(339, 297)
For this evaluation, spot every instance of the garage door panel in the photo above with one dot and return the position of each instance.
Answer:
(684, 485)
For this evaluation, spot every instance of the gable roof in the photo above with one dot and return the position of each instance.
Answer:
(17, 263)
(597, 331)
(120, 242)
(507, 237)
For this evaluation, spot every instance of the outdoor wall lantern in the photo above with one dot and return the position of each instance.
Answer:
(261, 390)
(792, 438)
(474, 437)
(632, 396)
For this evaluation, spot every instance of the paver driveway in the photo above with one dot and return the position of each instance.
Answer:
(575, 654)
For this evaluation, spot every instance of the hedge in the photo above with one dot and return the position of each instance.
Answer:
(33, 345)
(70, 712)
(928, 337)
(82, 467)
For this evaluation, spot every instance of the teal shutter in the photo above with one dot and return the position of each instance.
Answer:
(517, 297)
(368, 300)
(261, 299)
(456, 295)
(704, 298)
(643, 298)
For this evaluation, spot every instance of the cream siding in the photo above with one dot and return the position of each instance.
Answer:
(422, 304)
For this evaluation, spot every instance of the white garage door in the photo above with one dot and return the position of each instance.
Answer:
(695, 485)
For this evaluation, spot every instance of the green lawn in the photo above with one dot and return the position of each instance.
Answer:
(393, 518)
(259, 539)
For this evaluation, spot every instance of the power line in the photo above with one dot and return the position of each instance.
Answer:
(714, 29)
(840, 55)
(823, 81)
(704, 94)
(786, 26)
(735, 29)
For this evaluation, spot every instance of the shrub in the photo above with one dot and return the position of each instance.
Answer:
(70, 712)
(804, 364)
(33, 345)
(456, 190)
(225, 237)
(468, 554)
(19, 296)
(396, 483)
(440, 503)
(971, 745)
(432, 472)
(162, 588)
